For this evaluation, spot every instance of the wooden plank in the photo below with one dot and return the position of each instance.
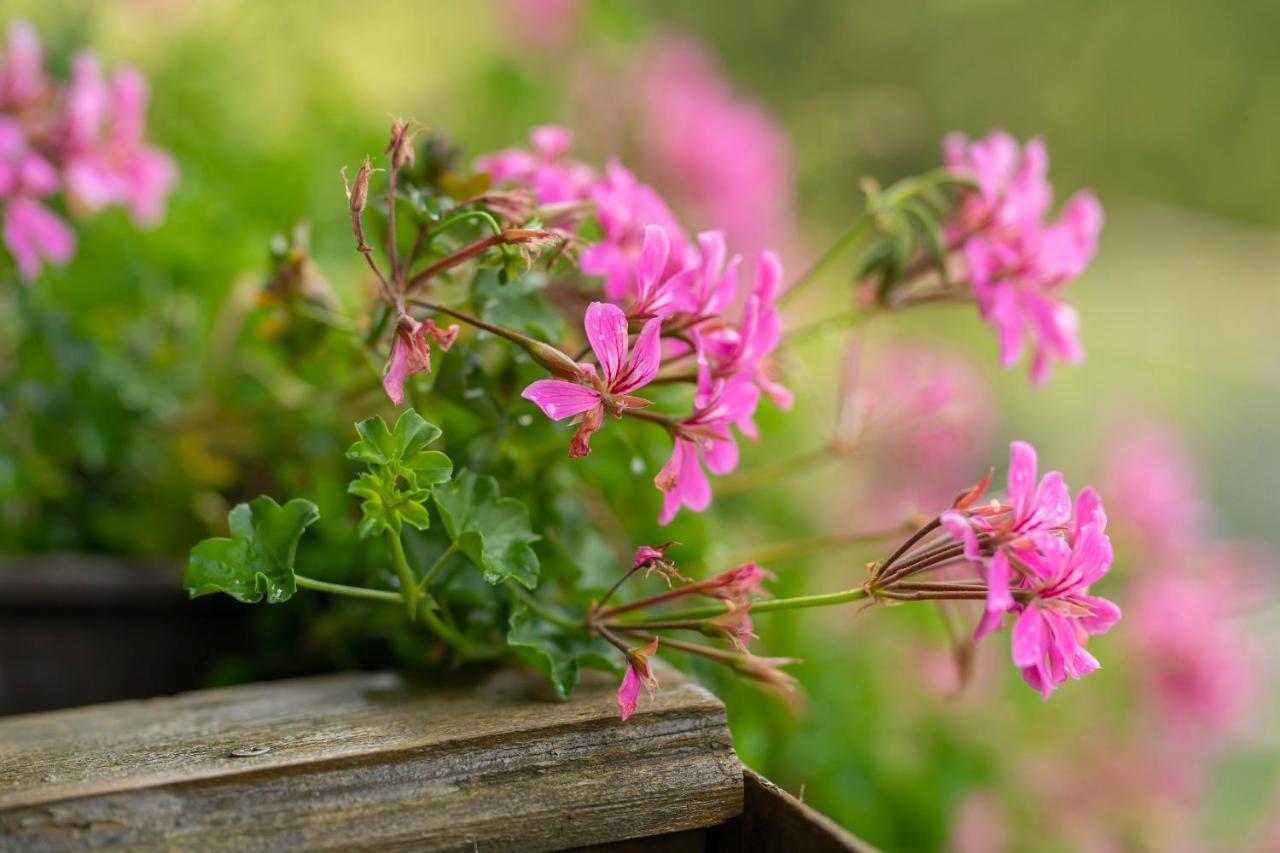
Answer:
(367, 760)
(773, 821)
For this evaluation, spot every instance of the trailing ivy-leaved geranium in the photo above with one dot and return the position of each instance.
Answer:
(594, 368)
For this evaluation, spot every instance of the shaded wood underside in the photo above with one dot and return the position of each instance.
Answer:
(367, 760)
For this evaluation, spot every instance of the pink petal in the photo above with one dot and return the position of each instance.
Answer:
(1030, 638)
(653, 259)
(1103, 614)
(628, 693)
(645, 359)
(397, 372)
(1022, 476)
(999, 599)
(560, 399)
(957, 524)
(606, 328)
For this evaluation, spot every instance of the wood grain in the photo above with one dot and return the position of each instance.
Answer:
(366, 760)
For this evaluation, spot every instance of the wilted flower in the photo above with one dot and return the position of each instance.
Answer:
(411, 353)
(638, 673)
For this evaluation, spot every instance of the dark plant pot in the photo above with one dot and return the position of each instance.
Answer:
(76, 630)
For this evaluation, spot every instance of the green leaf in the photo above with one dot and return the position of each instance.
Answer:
(258, 558)
(556, 652)
(387, 505)
(492, 531)
(402, 450)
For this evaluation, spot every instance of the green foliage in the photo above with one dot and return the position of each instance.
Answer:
(401, 473)
(556, 652)
(257, 559)
(492, 531)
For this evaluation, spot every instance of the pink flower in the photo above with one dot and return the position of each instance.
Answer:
(638, 673)
(657, 293)
(737, 585)
(1050, 634)
(705, 438)
(1041, 564)
(546, 170)
(1152, 476)
(746, 346)
(725, 160)
(1192, 656)
(30, 230)
(621, 372)
(1016, 262)
(915, 417)
(106, 160)
(624, 206)
(22, 80)
(411, 353)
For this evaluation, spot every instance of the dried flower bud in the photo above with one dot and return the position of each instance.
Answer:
(400, 146)
(357, 198)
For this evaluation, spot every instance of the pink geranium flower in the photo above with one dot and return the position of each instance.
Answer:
(639, 672)
(621, 372)
(411, 353)
(657, 293)
(1050, 634)
(1016, 262)
(546, 170)
(32, 232)
(106, 160)
(22, 79)
(705, 438)
(624, 206)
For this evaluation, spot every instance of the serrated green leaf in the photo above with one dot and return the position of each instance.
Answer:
(387, 504)
(402, 450)
(492, 531)
(257, 560)
(558, 653)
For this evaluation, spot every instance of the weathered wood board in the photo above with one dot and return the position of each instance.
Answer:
(367, 761)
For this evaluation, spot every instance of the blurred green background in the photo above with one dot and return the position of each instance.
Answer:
(1169, 111)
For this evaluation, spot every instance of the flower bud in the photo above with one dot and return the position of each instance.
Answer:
(400, 146)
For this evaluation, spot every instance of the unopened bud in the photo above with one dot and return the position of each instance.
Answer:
(400, 146)
(553, 360)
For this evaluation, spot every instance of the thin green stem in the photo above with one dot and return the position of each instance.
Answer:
(453, 219)
(861, 226)
(770, 605)
(349, 591)
(408, 585)
(439, 564)
(542, 610)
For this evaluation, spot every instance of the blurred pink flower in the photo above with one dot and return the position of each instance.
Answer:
(724, 158)
(32, 232)
(22, 79)
(107, 162)
(1191, 654)
(623, 369)
(543, 24)
(546, 170)
(1154, 484)
(917, 416)
(1017, 263)
(979, 825)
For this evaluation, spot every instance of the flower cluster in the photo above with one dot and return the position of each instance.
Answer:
(684, 299)
(1017, 262)
(83, 139)
(1039, 556)
(730, 621)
